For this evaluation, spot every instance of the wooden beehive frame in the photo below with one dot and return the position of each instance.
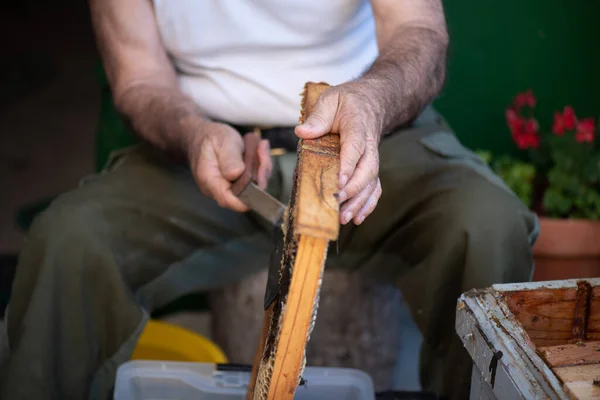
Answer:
(534, 340)
(312, 220)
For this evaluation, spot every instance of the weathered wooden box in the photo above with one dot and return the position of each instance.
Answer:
(533, 340)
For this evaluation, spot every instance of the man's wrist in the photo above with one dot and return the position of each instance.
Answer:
(193, 129)
(377, 99)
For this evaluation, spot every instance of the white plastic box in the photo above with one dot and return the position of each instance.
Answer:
(157, 380)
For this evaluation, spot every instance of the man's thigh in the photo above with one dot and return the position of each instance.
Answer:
(145, 212)
(140, 228)
(430, 181)
(444, 224)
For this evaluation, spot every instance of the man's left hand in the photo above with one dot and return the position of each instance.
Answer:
(350, 110)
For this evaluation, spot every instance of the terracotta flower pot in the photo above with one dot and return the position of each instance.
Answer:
(567, 249)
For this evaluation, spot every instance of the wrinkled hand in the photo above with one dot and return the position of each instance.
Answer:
(216, 160)
(346, 110)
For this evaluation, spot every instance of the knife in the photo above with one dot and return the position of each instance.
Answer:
(266, 206)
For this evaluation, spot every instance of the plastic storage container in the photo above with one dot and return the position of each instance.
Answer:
(157, 380)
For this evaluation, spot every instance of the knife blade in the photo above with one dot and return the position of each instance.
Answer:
(262, 203)
(246, 189)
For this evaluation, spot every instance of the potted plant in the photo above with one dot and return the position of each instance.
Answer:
(559, 178)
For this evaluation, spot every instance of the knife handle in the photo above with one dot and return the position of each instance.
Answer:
(251, 142)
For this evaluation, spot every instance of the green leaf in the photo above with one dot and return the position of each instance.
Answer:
(485, 155)
(592, 169)
(556, 204)
(518, 176)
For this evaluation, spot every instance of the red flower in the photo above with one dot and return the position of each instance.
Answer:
(530, 99)
(569, 118)
(524, 131)
(534, 141)
(531, 126)
(525, 99)
(585, 131)
(558, 127)
(582, 137)
(515, 123)
(527, 140)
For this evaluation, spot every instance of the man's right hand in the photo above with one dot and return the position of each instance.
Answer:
(145, 90)
(215, 154)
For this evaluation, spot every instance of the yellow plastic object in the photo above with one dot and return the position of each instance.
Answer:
(166, 342)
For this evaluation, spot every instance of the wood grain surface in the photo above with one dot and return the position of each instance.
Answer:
(312, 221)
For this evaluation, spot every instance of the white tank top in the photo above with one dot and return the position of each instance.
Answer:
(246, 61)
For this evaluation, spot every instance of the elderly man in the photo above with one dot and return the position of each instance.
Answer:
(161, 221)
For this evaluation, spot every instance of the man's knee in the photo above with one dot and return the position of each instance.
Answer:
(60, 237)
(498, 230)
(59, 259)
(68, 219)
(483, 208)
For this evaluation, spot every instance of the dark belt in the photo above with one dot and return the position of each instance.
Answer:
(281, 139)
(284, 140)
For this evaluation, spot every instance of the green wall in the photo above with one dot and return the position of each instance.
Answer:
(500, 47)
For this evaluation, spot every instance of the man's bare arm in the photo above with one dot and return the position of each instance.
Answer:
(142, 78)
(407, 75)
(145, 91)
(411, 67)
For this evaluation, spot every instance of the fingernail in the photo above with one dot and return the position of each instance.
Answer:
(307, 124)
(341, 196)
(347, 217)
(343, 180)
(360, 219)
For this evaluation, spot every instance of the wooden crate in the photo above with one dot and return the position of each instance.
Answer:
(536, 340)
